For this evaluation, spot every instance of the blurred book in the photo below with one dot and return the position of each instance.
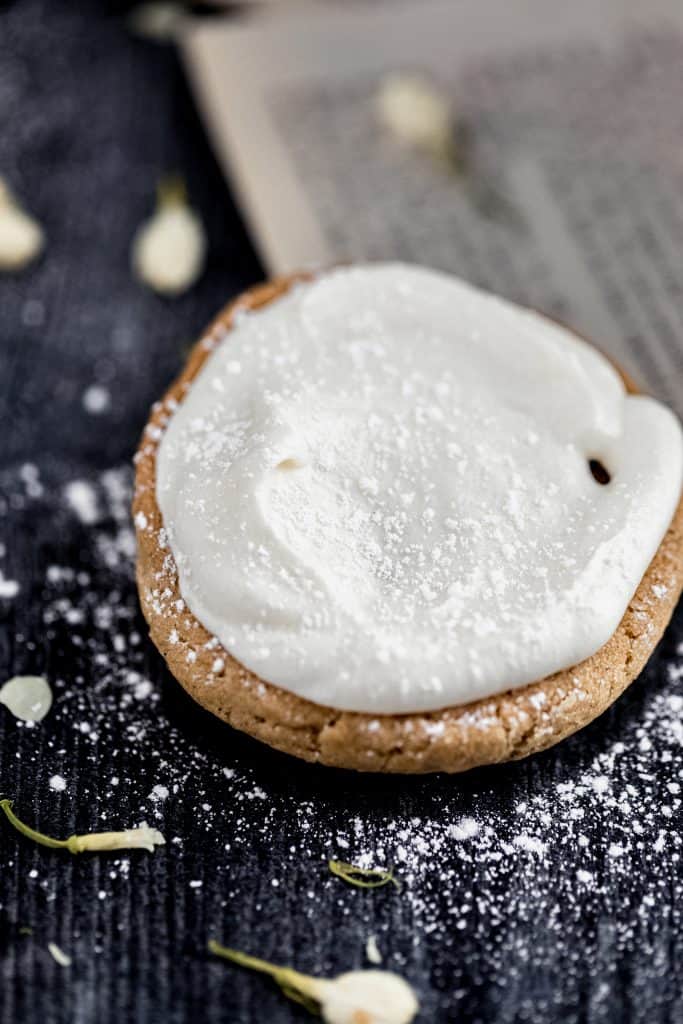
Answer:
(569, 196)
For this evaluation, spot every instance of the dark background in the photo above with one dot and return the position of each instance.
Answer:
(549, 890)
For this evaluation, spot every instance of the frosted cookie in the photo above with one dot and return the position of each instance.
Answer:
(389, 522)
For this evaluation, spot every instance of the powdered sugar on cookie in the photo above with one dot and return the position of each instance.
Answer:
(385, 492)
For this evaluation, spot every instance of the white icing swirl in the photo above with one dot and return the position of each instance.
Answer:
(378, 496)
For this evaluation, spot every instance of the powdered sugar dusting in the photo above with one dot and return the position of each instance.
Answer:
(8, 588)
(81, 496)
(362, 485)
(590, 830)
(96, 399)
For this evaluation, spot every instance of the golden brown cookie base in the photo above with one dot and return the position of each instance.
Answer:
(501, 728)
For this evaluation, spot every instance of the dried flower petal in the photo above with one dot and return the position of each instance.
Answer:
(21, 236)
(372, 950)
(59, 955)
(143, 838)
(168, 251)
(29, 698)
(416, 112)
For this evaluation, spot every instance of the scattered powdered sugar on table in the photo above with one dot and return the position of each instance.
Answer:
(8, 588)
(81, 496)
(473, 853)
(96, 399)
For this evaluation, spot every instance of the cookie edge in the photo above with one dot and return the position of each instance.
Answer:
(492, 730)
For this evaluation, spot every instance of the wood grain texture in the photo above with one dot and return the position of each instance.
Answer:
(488, 932)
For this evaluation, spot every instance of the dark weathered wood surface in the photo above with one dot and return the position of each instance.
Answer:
(541, 891)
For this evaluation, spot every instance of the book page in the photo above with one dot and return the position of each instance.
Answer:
(571, 200)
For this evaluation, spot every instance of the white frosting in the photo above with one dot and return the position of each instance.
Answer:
(377, 492)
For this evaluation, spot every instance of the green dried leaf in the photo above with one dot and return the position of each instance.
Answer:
(363, 878)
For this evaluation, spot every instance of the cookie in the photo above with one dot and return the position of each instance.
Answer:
(489, 730)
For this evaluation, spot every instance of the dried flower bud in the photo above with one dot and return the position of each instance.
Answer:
(368, 997)
(168, 251)
(143, 838)
(29, 698)
(21, 237)
(416, 113)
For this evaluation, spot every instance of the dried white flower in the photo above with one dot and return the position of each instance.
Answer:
(21, 237)
(358, 997)
(168, 251)
(29, 698)
(416, 113)
(143, 838)
(59, 955)
(368, 997)
(372, 950)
